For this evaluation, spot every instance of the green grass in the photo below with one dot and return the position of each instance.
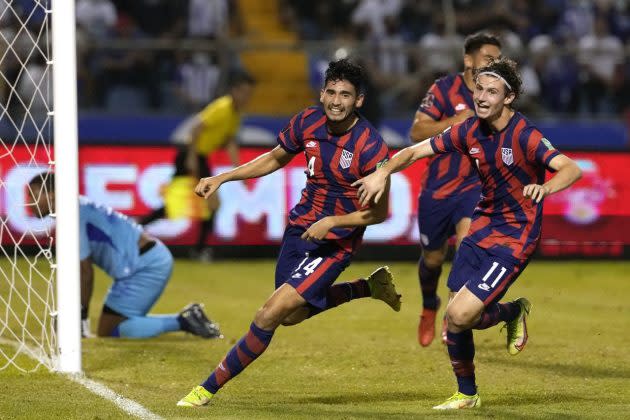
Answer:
(359, 361)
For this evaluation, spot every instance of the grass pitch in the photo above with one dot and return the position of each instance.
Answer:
(361, 360)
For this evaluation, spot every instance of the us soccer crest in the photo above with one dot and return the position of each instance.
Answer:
(507, 156)
(346, 159)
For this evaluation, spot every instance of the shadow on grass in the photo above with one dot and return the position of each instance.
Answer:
(375, 406)
(365, 397)
(574, 370)
(537, 398)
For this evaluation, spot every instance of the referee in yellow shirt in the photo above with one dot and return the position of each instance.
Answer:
(213, 128)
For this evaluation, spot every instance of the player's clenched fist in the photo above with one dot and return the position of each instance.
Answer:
(207, 186)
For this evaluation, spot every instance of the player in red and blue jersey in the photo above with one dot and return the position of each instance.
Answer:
(325, 228)
(450, 185)
(511, 156)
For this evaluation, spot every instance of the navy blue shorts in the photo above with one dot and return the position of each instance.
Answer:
(487, 276)
(437, 218)
(311, 267)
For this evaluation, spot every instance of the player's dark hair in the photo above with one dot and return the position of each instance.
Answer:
(345, 69)
(45, 179)
(240, 77)
(507, 69)
(474, 42)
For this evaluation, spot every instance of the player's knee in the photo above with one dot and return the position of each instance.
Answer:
(267, 318)
(434, 259)
(458, 317)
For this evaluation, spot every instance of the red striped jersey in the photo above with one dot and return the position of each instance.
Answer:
(504, 222)
(334, 162)
(448, 174)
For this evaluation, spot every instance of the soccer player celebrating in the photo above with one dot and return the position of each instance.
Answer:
(450, 185)
(511, 156)
(325, 228)
(139, 264)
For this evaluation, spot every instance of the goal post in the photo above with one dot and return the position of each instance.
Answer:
(66, 186)
(39, 257)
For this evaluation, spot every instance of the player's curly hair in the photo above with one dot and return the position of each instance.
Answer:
(345, 69)
(507, 69)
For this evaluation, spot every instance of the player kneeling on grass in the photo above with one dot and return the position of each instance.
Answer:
(511, 156)
(325, 228)
(139, 264)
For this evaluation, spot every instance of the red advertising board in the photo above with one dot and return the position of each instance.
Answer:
(590, 218)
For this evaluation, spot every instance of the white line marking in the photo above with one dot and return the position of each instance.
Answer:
(128, 406)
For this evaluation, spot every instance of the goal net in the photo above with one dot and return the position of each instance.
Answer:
(28, 265)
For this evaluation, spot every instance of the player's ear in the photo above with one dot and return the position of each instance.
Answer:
(468, 61)
(321, 96)
(358, 103)
(509, 98)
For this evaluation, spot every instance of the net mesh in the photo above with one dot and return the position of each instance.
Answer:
(27, 265)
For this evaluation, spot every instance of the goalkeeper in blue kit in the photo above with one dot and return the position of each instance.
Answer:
(139, 265)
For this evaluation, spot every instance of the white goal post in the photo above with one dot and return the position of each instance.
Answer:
(39, 288)
(66, 185)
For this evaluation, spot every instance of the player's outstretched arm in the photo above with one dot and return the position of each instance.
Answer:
(372, 186)
(424, 126)
(374, 214)
(567, 173)
(261, 166)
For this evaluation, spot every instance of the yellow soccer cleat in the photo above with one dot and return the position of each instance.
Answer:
(460, 401)
(517, 328)
(198, 397)
(382, 287)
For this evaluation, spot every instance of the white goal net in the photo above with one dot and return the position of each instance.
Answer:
(28, 305)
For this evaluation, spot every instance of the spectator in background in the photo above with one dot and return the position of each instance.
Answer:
(157, 18)
(129, 68)
(439, 51)
(208, 19)
(599, 54)
(558, 73)
(96, 17)
(197, 80)
(391, 52)
(371, 15)
(214, 128)
(416, 18)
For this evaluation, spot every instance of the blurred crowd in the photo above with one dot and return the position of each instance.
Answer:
(572, 52)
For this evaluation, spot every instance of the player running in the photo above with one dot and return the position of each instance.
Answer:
(325, 228)
(139, 265)
(450, 186)
(510, 155)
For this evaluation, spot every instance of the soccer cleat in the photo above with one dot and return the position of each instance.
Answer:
(517, 328)
(459, 401)
(426, 327)
(198, 397)
(382, 287)
(194, 320)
